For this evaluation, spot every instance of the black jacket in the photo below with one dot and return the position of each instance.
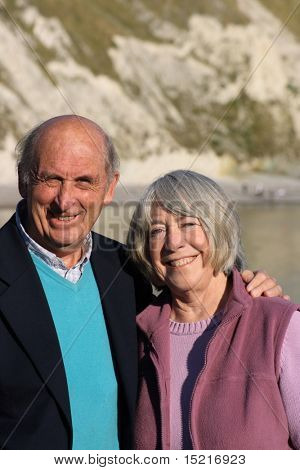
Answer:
(34, 401)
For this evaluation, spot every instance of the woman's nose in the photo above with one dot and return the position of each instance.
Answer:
(174, 239)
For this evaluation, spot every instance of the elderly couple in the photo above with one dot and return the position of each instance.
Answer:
(213, 365)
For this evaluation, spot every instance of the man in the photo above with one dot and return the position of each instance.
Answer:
(68, 299)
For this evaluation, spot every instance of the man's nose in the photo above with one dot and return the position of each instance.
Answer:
(65, 196)
(174, 238)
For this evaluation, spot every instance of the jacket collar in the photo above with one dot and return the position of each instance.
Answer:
(116, 287)
(157, 315)
(14, 257)
(238, 299)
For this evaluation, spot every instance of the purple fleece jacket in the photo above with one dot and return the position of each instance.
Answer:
(236, 401)
(188, 342)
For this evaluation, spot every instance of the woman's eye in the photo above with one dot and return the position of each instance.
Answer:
(189, 224)
(156, 231)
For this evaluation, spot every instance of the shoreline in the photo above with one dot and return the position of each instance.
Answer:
(250, 189)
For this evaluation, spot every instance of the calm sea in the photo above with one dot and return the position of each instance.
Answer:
(271, 238)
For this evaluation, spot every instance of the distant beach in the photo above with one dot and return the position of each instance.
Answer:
(251, 189)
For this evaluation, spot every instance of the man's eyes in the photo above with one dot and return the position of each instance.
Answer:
(51, 180)
(55, 181)
(84, 182)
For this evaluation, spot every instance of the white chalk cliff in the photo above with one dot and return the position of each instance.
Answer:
(213, 96)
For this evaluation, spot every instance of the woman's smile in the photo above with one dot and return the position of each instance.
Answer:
(180, 261)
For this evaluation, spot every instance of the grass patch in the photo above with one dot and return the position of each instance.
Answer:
(91, 25)
(282, 9)
(178, 12)
(250, 130)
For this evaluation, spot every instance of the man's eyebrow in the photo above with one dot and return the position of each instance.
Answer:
(49, 174)
(86, 177)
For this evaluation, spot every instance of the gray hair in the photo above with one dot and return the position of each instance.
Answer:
(186, 193)
(27, 163)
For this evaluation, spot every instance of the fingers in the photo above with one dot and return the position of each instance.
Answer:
(258, 279)
(263, 284)
(275, 291)
(247, 275)
(260, 283)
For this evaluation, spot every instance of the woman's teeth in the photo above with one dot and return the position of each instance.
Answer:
(181, 262)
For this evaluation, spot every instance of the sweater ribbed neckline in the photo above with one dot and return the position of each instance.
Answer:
(180, 328)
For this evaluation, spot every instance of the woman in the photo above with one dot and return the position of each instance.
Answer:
(218, 369)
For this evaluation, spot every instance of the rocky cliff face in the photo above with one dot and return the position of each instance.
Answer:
(215, 88)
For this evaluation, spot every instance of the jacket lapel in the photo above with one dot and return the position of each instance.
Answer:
(25, 308)
(116, 289)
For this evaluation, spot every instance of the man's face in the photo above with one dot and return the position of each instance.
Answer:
(70, 190)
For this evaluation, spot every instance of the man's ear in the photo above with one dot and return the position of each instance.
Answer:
(22, 187)
(111, 188)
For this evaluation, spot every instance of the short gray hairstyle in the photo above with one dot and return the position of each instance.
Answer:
(27, 163)
(187, 193)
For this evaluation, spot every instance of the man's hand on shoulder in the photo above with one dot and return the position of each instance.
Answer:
(260, 283)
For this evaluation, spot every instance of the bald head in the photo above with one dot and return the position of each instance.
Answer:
(60, 131)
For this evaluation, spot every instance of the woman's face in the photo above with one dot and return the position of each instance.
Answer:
(179, 251)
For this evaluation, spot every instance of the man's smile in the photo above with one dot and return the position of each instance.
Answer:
(59, 219)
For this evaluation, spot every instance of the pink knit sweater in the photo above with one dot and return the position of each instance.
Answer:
(189, 341)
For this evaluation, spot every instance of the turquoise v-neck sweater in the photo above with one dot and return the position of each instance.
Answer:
(78, 317)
